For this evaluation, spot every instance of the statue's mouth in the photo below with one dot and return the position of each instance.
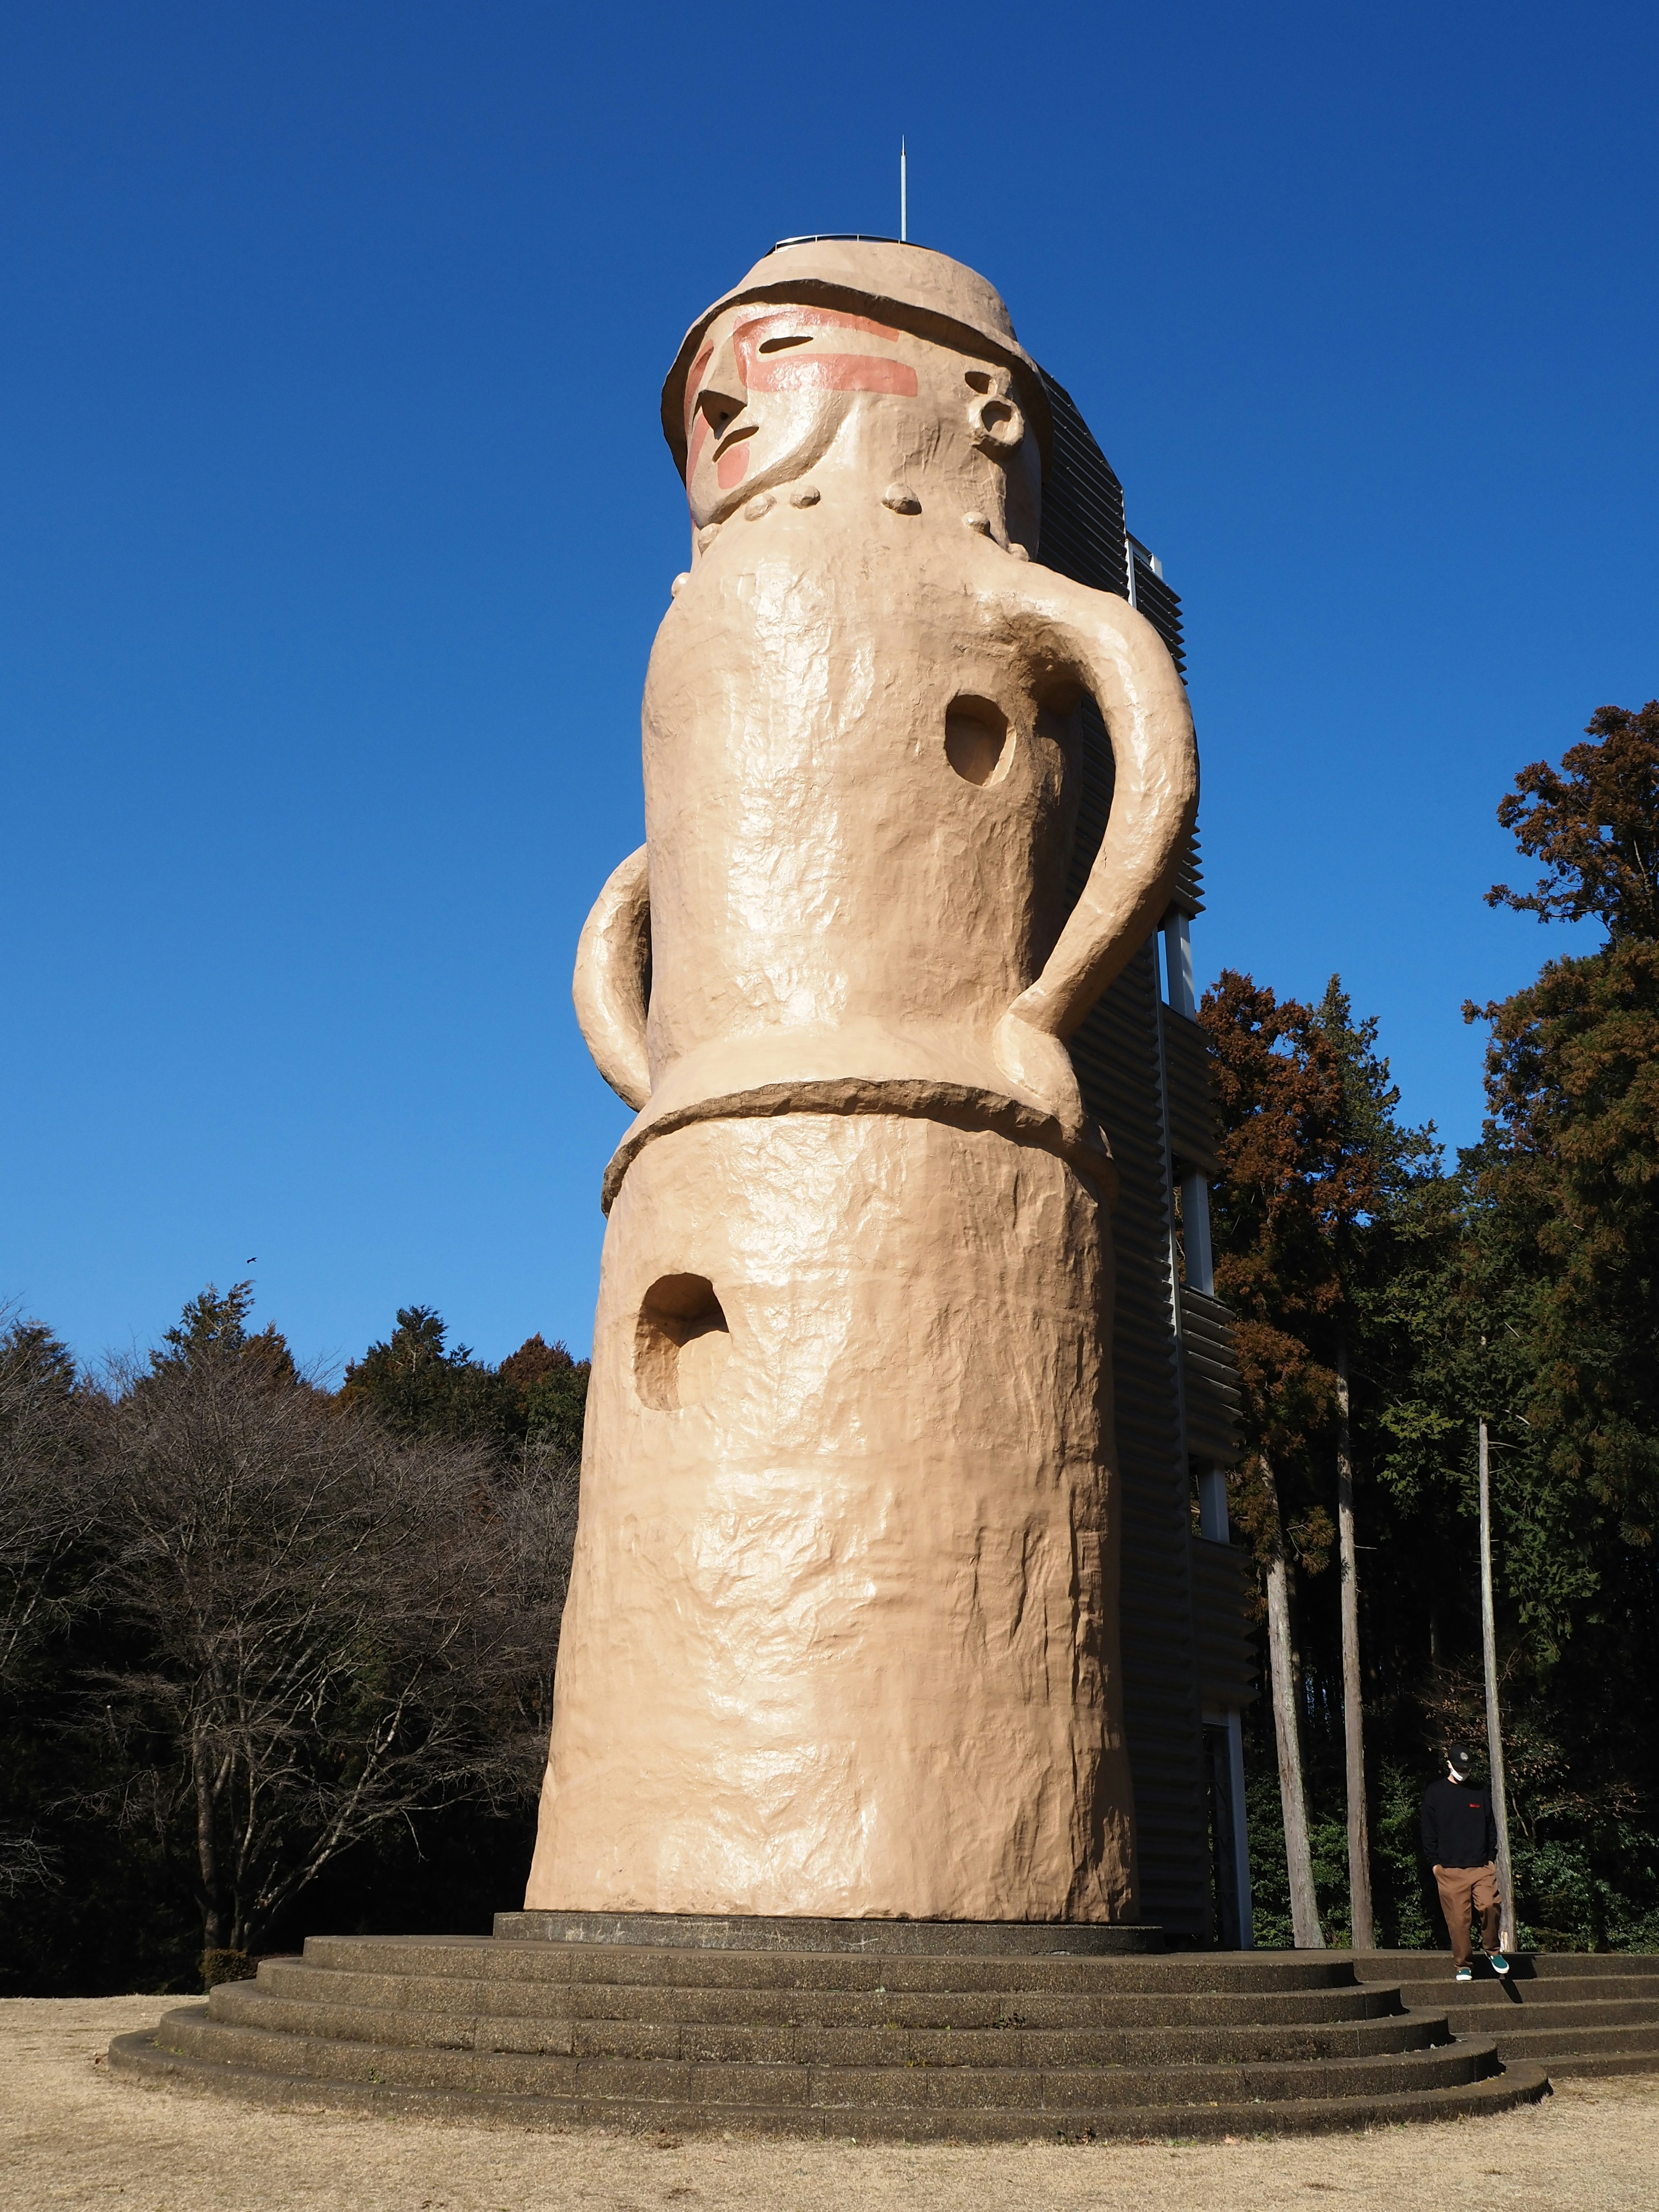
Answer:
(735, 437)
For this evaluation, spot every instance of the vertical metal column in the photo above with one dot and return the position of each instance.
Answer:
(1213, 1521)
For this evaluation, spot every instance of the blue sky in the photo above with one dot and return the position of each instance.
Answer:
(338, 526)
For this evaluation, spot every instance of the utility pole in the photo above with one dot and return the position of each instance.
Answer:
(1283, 1683)
(1353, 1717)
(1494, 1734)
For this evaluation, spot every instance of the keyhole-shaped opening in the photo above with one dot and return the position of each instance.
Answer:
(978, 742)
(681, 1342)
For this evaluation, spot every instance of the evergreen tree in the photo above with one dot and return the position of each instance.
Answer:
(1594, 824)
(417, 1387)
(551, 1393)
(214, 1326)
(43, 1579)
(1561, 1284)
(534, 1401)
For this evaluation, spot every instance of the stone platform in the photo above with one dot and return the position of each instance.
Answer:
(861, 2035)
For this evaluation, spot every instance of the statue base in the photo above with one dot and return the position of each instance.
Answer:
(764, 2027)
(732, 1931)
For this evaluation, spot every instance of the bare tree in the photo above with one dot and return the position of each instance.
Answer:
(43, 1515)
(333, 1629)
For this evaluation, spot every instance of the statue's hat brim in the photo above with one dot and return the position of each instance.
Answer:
(908, 285)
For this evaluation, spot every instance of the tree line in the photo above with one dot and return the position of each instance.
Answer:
(271, 1651)
(1388, 1300)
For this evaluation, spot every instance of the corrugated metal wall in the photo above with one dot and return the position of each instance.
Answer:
(1181, 1622)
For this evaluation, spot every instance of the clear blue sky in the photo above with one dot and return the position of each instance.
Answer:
(337, 525)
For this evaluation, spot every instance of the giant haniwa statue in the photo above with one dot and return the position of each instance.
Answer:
(841, 1638)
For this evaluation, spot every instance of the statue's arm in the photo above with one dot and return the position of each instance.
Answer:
(613, 956)
(1126, 666)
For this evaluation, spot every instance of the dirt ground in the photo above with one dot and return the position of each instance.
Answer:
(73, 2135)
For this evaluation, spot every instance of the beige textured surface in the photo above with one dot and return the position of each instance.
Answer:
(836, 1631)
(842, 1627)
(75, 2139)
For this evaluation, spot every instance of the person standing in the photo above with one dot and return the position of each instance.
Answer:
(1460, 1841)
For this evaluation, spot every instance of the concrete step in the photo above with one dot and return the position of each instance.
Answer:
(1596, 2064)
(884, 2043)
(1527, 1966)
(764, 2080)
(472, 1958)
(1500, 2019)
(1496, 1998)
(451, 1995)
(1351, 2099)
(1577, 2012)
(1498, 2003)
(192, 2032)
(752, 1932)
(1586, 2040)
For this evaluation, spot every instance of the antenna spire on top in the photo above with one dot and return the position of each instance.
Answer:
(904, 196)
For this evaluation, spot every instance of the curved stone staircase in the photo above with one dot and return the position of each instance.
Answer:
(1574, 2012)
(938, 2033)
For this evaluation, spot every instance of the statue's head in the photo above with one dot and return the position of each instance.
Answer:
(859, 355)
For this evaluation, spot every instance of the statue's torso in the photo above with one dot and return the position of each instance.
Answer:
(819, 869)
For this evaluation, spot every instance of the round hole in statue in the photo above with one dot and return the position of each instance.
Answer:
(978, 742)
(681, 1344)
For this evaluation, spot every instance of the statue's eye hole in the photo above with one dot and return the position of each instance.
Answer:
(777, 345)
(977, 381)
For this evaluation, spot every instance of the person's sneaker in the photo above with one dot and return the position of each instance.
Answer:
(1466, 1974)
(1500, 1965)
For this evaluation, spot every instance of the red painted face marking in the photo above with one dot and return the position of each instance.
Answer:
(837, 371)
(699, 440)
(693, 378)
(813, 365)
(780, 322)
(697, 430)
(818, 366)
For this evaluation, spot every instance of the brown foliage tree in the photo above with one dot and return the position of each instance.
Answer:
(1295, 1177)
(1297, 1174)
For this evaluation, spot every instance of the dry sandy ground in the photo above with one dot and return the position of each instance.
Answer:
(73, 2135)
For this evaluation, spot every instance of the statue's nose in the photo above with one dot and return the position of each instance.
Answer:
(724, 393)
(721, 402)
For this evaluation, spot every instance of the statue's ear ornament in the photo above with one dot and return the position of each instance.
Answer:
(994, 418)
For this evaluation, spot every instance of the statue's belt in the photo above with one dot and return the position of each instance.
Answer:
(958, 1105)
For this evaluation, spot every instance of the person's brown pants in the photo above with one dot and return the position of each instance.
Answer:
(1465, 1892)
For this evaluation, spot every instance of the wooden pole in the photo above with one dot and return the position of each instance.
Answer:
(1494, 1733)
(1353, 1717)
(1305, 1930)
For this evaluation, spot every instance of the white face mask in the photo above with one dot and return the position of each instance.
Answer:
(1453, 1771)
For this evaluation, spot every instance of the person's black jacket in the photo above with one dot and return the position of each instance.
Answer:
(1458, 1826)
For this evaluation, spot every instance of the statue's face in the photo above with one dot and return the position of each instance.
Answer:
(770, 388)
